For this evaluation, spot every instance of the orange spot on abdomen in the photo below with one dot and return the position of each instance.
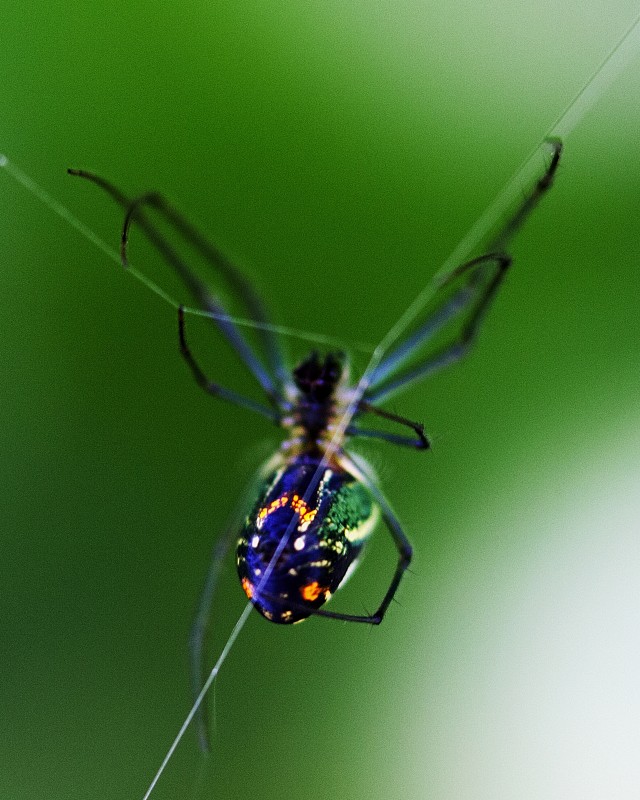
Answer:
(312, 591)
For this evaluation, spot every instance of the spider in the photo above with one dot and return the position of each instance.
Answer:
(316, 504)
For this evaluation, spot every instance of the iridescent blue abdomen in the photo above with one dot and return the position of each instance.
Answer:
(327, 533)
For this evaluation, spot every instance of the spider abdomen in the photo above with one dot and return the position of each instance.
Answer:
(298, 546)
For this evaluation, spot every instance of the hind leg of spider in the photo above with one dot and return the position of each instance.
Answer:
(401, 542)
(213, 388)
(200, 627)
(482, 289)
(238, 282)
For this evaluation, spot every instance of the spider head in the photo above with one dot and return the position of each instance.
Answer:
(317, 378)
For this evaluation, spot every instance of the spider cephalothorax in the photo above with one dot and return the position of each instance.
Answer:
(317, 378)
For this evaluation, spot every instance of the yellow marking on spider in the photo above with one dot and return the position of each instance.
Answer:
(248, 587)
(306, 514)
(274, 505)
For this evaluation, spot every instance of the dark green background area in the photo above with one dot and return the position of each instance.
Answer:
(338, 151)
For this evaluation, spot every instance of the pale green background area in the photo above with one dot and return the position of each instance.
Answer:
(338, 151)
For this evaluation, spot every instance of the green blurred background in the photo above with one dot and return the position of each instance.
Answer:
(338, 151)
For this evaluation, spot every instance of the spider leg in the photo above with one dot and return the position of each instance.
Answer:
(435, 322)
(458, 347)
(208, 303)
(401, 542)
(200, 626)
(478, 289)
(392, 438)
(214, 388)
(238, 282)
(421, 442)
(515, 222)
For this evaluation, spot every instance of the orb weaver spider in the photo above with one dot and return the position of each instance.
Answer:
(317, 504)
